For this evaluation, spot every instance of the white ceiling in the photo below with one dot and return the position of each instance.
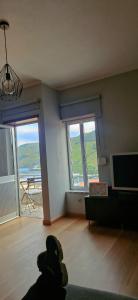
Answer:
(68, 42)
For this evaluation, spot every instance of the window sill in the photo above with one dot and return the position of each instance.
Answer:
(78, 191)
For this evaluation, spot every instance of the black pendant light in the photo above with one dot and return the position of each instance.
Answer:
(10, 84)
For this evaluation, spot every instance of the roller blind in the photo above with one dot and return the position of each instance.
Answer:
(81, 108)
(21, 112)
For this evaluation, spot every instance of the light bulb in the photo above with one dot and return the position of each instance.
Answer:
(8, 85)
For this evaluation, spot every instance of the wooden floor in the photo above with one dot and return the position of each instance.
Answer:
(98, 258)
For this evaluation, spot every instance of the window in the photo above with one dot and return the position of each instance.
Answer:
(82, 153)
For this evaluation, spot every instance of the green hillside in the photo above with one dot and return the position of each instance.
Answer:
(28, 154)
(91, 156)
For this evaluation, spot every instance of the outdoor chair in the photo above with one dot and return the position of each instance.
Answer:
(31, 193)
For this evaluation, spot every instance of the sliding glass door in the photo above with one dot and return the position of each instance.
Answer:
(8, 176)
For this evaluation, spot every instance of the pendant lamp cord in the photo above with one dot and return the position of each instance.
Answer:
(5, 46)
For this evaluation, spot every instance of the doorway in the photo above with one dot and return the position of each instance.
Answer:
(29, 169)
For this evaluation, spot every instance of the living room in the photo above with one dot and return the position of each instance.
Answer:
(106, 94)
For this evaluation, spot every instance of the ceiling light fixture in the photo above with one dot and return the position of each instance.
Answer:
(10, 84)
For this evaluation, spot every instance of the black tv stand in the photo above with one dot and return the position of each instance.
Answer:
(118, 209)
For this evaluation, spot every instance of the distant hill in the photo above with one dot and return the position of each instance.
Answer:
(28, 154)
(91, 155)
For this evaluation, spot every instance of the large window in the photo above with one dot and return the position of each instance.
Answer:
(82, 152)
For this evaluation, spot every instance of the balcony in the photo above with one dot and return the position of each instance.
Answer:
(30, 194)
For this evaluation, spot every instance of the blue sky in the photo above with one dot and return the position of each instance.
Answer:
(88, 127)
(27, 134)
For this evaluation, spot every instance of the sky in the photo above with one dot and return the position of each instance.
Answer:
(88, 127)
(29, 133)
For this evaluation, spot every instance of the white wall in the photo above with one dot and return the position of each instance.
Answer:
(29, 95)
(118, 130)
(119, 124)
(57, 171)
(75, 202)
(52, 147)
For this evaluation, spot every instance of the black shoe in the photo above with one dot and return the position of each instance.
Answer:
(55, 257)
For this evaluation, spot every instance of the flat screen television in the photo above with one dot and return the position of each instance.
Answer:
(124, 171)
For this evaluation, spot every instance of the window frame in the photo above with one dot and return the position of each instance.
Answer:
(83, 152)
